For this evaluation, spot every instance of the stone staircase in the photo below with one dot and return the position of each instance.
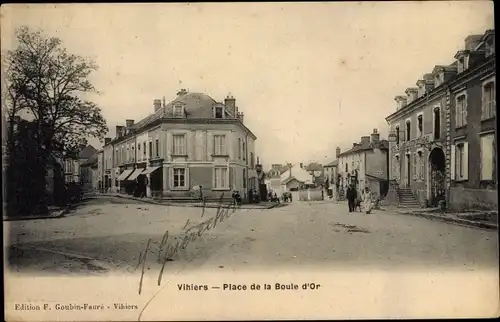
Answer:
(407, 198)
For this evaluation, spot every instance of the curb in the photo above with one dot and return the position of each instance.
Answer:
(58, 214)
(89, 261)
(463, 222)
(174, 204)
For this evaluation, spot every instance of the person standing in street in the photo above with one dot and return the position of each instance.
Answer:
(351, 197)
(367, 200)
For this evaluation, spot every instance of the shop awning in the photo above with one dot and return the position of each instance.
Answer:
(150, 170)
(135, 174)
(125, 174)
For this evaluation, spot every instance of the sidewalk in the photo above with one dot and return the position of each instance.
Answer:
(477, 219)
(55, 212)
(262, 205)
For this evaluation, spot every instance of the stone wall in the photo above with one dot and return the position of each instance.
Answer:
(473, 199)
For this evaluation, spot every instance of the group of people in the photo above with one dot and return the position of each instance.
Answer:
(354, 201)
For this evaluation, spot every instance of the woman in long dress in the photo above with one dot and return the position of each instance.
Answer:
(367, 200)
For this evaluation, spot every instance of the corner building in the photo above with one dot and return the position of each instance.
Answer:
(191, 141)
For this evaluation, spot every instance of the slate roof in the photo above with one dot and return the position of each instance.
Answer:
(87, 152)
(383, 145)
(334, 163)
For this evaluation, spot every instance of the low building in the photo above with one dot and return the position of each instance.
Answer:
(191, 141)
(72, 166)
(273, 177)
(365, 165)
(331, 173)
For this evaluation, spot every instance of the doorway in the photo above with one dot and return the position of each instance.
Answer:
(437, 163)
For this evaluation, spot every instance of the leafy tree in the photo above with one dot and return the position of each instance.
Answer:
(50, 84)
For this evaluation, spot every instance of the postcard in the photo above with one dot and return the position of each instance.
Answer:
(249, 161)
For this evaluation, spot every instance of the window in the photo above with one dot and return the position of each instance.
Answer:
(437, 124)
(179, 144)
(244, 152)
(221, 178)
(461, 161)
(252, 161)
(461, 65)
(150, 149)
(179, 177)
(461, 111)
(397, 135)
(219, 144)
(239, 148)
(144, 152)
(157, 147)
(178, 111)
(346, 167)
(128, 154)
(408, 131)
(219, 112)
(132, 154)
(487, 155)
(489, 105)
(420, 125)
(244, 179)
(139, 155)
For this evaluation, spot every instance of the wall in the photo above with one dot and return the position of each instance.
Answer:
(311, 195)
(471, 132)
(473, 199)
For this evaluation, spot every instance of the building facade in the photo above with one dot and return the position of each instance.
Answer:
(365, 165)
(435, 124)
(473, 152)
(191, 141)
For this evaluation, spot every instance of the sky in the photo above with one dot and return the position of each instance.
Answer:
(308, 76)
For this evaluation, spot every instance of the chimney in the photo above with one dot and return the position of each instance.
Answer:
(106, 141)
(354, 145)
(302, 165)
(129, 123)
(119, 131)
(472, 41)
(182, 92)
(230, 103)
(411, 94)
(365, 140)
(156, 104)
(401, 101)
(241, 117)
(375, 137)
(337, 152)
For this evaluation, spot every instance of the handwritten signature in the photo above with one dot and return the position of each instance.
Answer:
(166, 250)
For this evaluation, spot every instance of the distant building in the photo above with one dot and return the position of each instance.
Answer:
(365, 165)
(72, 166)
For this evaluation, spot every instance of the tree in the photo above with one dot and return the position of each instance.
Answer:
(49, 83)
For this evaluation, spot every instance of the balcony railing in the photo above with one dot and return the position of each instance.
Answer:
(488, 110)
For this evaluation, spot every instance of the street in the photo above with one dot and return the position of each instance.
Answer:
(110, 235)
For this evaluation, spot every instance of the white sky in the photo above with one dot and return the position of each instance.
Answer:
(287, 65)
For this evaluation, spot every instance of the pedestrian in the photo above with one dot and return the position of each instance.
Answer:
(351, 198)
(367, 200)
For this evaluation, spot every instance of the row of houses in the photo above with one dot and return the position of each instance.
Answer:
(442, 139)
(443, 132)
(191, 142)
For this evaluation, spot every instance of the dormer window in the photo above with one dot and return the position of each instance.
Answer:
(178, 111)
(219, 112)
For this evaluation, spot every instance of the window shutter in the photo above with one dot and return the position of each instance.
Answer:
(227, 178)
(466, 160)
(414, 166)
(187, 183)
(213, 177)
(452, 165)
(171, 177)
